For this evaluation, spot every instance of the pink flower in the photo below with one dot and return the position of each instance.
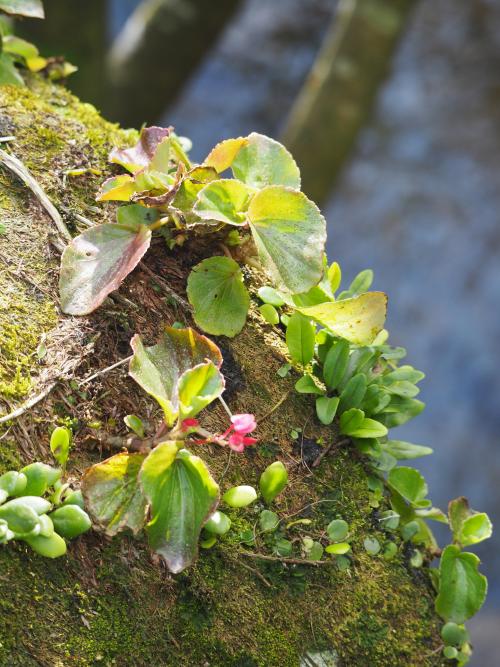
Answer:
(244, 423)
(188, 424)
(237, 442)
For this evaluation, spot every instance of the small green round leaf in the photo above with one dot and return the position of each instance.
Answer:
(268, 521)
(60, 442)
(338, 549)
(273, 480)
(269, 313)
(49, 547)
(218, 524)
(372, 545)
(70, 521)
(337, 530)
(240, 496)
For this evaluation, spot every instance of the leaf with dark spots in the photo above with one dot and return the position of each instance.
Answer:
(95, 263)
(139, 156)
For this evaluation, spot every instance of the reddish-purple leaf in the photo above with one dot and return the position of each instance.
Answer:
(96, 262)
(139, 156)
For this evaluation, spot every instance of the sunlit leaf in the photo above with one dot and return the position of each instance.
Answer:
(289, 233)
(60, 442)
(468, 527)
(19, 47)
(273, 480)
(158, 369)
(31, 8)
(183, 495)
(225, 200)
(221, 157)
(140, 156)
(70, 521)
(220, 299)
(198, 387)
(262, 161)
(113, 495)
(326, 408)
(406, 450)
(117, 188)
(95, 263)
(358, 320)
(462, 589)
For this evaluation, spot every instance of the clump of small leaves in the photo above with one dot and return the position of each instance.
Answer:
(37, 507)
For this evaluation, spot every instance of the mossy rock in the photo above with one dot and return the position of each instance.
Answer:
(112, 602)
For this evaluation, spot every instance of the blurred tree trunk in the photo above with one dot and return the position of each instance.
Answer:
(159, 47)
(339, 92)
(78, 31)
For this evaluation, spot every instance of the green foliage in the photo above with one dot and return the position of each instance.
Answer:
(300, 335)
(273, 480)
(240, 496)
(219, 297)
(462, 589)
(36, 507)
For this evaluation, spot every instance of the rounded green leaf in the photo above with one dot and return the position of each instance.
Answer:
(240, 496)
(353, 393)
(337, 530)
(22, 519)
(307, 385)
(113, 495)
(262, 161)
(390, 551)
(224, 200)
(198, 387)
(273, 480)
(475, 528)
(268, 521)
(13, 483)
(60, 442)
(454, 634)
(96, 262)
(218, 524)
(46, 526)
(271, 296)
(409, 483)
(290, 234)
(37, 504)
(335, 364)
(462, 589)
(49, 547)
(372, 545)
(326, 408)
(220, 300)
(70, 521)
(300, 339)
(74, 498)
(450, 652)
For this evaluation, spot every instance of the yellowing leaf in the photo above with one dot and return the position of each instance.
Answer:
(221, 157)
(117, 188)
(224, 200)
(290, 233)
(358, 320)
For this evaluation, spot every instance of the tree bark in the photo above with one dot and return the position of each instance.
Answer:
(110, 602)
(159, 47)
(339, 92)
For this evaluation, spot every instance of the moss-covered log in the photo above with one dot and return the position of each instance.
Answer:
(111, 602)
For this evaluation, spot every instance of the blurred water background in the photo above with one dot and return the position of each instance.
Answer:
(418, 202)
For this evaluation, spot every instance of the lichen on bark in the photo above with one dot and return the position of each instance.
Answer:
(110, 602)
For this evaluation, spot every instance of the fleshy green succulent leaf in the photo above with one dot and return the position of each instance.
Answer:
(338, 549)
(21, 518)
(158, 369)
(95, 263)
(462, 589)
(117, 188)
(240, 496)
(13, 483)
(140, 156)
(220, 300)
(113, 495)
(198, 387)
(273, 480)
(37, 504)
(409, 483)
(300, 339)
(70, 521)
(30, 8)
(183, 495)
(40, 477)
(225, 200)
(358, 320)
(48, 547)
(218, 524)
(289, 233)
(326, 408)
(60, 443)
